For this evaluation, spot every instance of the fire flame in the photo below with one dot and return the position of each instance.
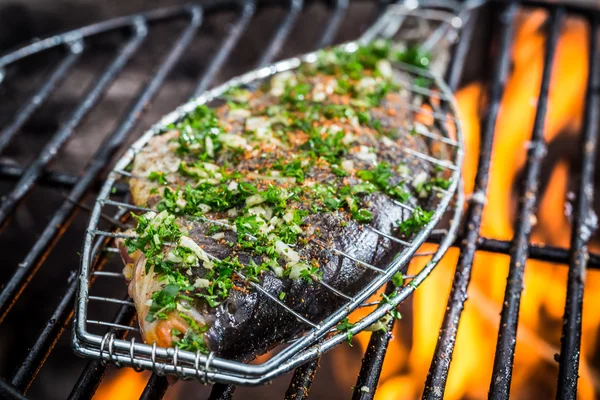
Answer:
(538, 338)
(543, 299)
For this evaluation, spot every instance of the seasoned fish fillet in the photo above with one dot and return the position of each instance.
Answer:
(262, 189)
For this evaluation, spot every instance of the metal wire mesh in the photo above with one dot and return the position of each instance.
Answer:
(210, 368)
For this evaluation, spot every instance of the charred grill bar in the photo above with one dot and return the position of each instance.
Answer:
(577, 257)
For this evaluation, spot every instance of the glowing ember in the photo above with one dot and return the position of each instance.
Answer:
(126, 384)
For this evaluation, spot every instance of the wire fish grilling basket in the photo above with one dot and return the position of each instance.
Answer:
(441, 22)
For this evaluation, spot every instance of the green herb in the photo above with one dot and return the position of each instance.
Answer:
(291, 169)
(311, 273)
(338, 171)
(351, 64)
(163, 301)
(330, 148)
(426, 187)
(363, 215)
(415, 222)
(398, 279)
(158, 177)
(381, 176)
(414, 56)
(345, 326)
(193, 340)
(281, 295)
(199, 133)
(295, 95)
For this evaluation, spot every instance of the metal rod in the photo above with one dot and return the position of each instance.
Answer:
(274, 46)
(509, 320)
(372, 362)
(46, 340)
(111, 300)
(333, 24)
(239, 27)
(112, 325)
(583, 227)
(540, 252)
(435, 384)
(390, 237)
(8, 392)
(302, 381)
(439, 138)
(55, 180)
(430, 159)
(57, 76)
(348, 256)
(90, 378)
(155, 388)
(90, 30)
(50, 150)
(33, 260)
(89, 209)
(106, 273)
(221, 391)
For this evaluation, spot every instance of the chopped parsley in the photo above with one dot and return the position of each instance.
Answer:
(381, 176)
(305, 143)
(345, 326)
(415, 222)
(157, 177)
(425, 188)
(199, 133)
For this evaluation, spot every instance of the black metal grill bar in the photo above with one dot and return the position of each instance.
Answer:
(509, 320)
(333, 24)
(47, 178)
(372, 362)
(90, 378)
(38, 353)
(8, 392)
(239, 27)
(583, 226)
(284, 29)
(48, 153)
(438, 373)
(302, 380)
(536, 252)
(39, 97)
(27, 268)
(156, 388)
(17, 283)
(221, 391)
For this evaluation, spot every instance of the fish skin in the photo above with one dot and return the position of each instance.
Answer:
(248, 323)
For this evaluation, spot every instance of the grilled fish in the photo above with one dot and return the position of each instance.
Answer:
(268, 188)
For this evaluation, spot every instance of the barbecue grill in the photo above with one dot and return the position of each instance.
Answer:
(79, 186)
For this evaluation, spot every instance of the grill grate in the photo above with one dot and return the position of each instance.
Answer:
(37, 173)
(186, 364)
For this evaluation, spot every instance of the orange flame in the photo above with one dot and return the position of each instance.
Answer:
(543, 300)
(125, 384)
